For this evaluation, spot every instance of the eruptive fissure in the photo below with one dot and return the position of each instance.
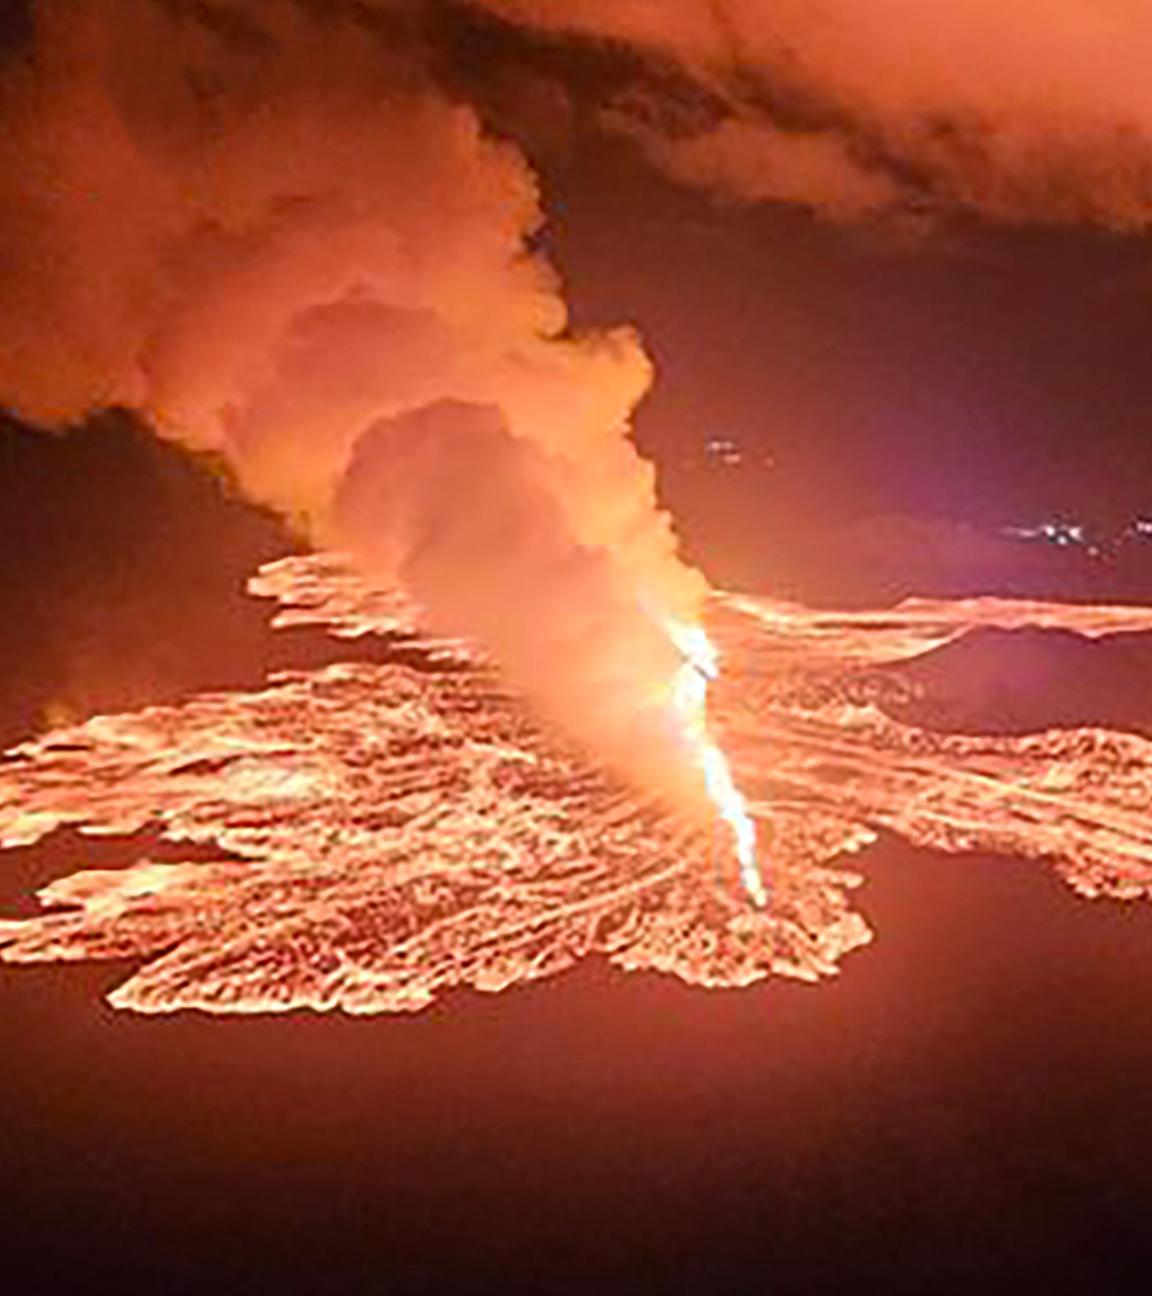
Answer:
(389, 832)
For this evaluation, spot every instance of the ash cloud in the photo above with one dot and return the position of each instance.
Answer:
(265, 227)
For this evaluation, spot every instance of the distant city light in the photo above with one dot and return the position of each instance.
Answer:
(714, 452)
(1067, 533)
(724, 450)
(1059, 533)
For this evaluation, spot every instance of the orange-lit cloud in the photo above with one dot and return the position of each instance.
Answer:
(751, 160)
(1018, 111)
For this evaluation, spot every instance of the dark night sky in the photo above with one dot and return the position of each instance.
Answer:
(972, 379)
(968, 1103)
(968, 373)
(983, 375)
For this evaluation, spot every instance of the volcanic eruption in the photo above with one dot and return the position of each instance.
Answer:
(264, 229)
(369, 834)
(288, 236)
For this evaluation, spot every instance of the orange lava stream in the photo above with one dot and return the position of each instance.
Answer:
(390, 830)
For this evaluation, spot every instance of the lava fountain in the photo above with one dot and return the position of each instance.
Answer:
(690, 701)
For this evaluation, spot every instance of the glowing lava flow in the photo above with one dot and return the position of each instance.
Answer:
(690, 699)
(369, 835)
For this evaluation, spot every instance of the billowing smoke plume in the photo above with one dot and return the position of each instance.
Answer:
(263, 227)
(1013, 109)
(472, 520)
